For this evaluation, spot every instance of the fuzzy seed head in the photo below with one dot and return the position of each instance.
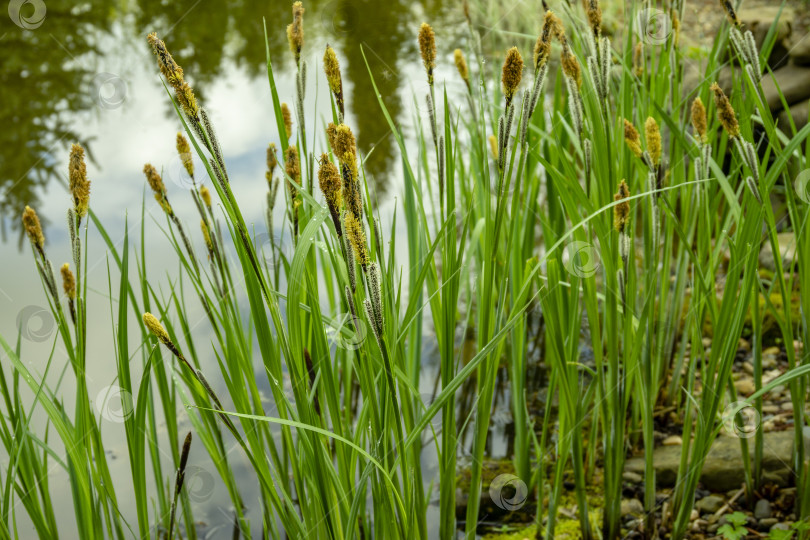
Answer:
(292, 166)
(206, 236)
(153, 325)
(153, 178)
(511, 73)
(570, 66)
(329, 180)
(68, 281)
(79, 184)
(653, 135)
(295, 31)
(33, 228)
(493, 146)
(427, 47)
(332, 69)
(286, 116)
(184, 150)
(632, 138)
(725, 112)
(168, 67)
(357, 238)
(638, 59)
(542, 49)
(345, 146)
(731, 14)
(272, 161)
(461, 65)
(156, 183)
(206, 196)
(595, 17)
(621, 212)
(699, 119)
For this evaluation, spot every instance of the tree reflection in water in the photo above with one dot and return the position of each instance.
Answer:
(47, 79)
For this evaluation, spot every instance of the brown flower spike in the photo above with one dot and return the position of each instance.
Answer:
(295, 31)
(699, 119)
(33, 229)
(206, 196)
(725, 112)
(79, 184)
(621, 212)
(68, 281)
(156, 183)
(174, 75)
(461, 66)
(632, 138)
(331, 67)
(511, 74)
(653, 135)
(542, 49)
(286, 116)
(595, 17)
(427, 47)
(184, 151)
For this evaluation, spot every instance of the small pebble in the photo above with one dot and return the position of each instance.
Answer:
(748, 368)
(710, 504)
(632, 477)
(762, 510)
(632, 506)
(673, 440)
(745, 386)
(767, 523)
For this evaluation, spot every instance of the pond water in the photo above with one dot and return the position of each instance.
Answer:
(83, 72)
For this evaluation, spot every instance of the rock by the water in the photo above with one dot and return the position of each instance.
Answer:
(723, 468)
(760, 20)
(632, 507)
(787, 247)
(762, 510)
(710, 504)
(794, 82)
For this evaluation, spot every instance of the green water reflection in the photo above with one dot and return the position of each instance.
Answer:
(50, 87)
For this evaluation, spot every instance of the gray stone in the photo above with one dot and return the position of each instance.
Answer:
(767, 523)
(632, 477)
(800, 50)
(794, 82)
(710, 504)
(762, 510)
(787, 247)
(723, 467)
(760, 19)
(798, 112)
(632, 507)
